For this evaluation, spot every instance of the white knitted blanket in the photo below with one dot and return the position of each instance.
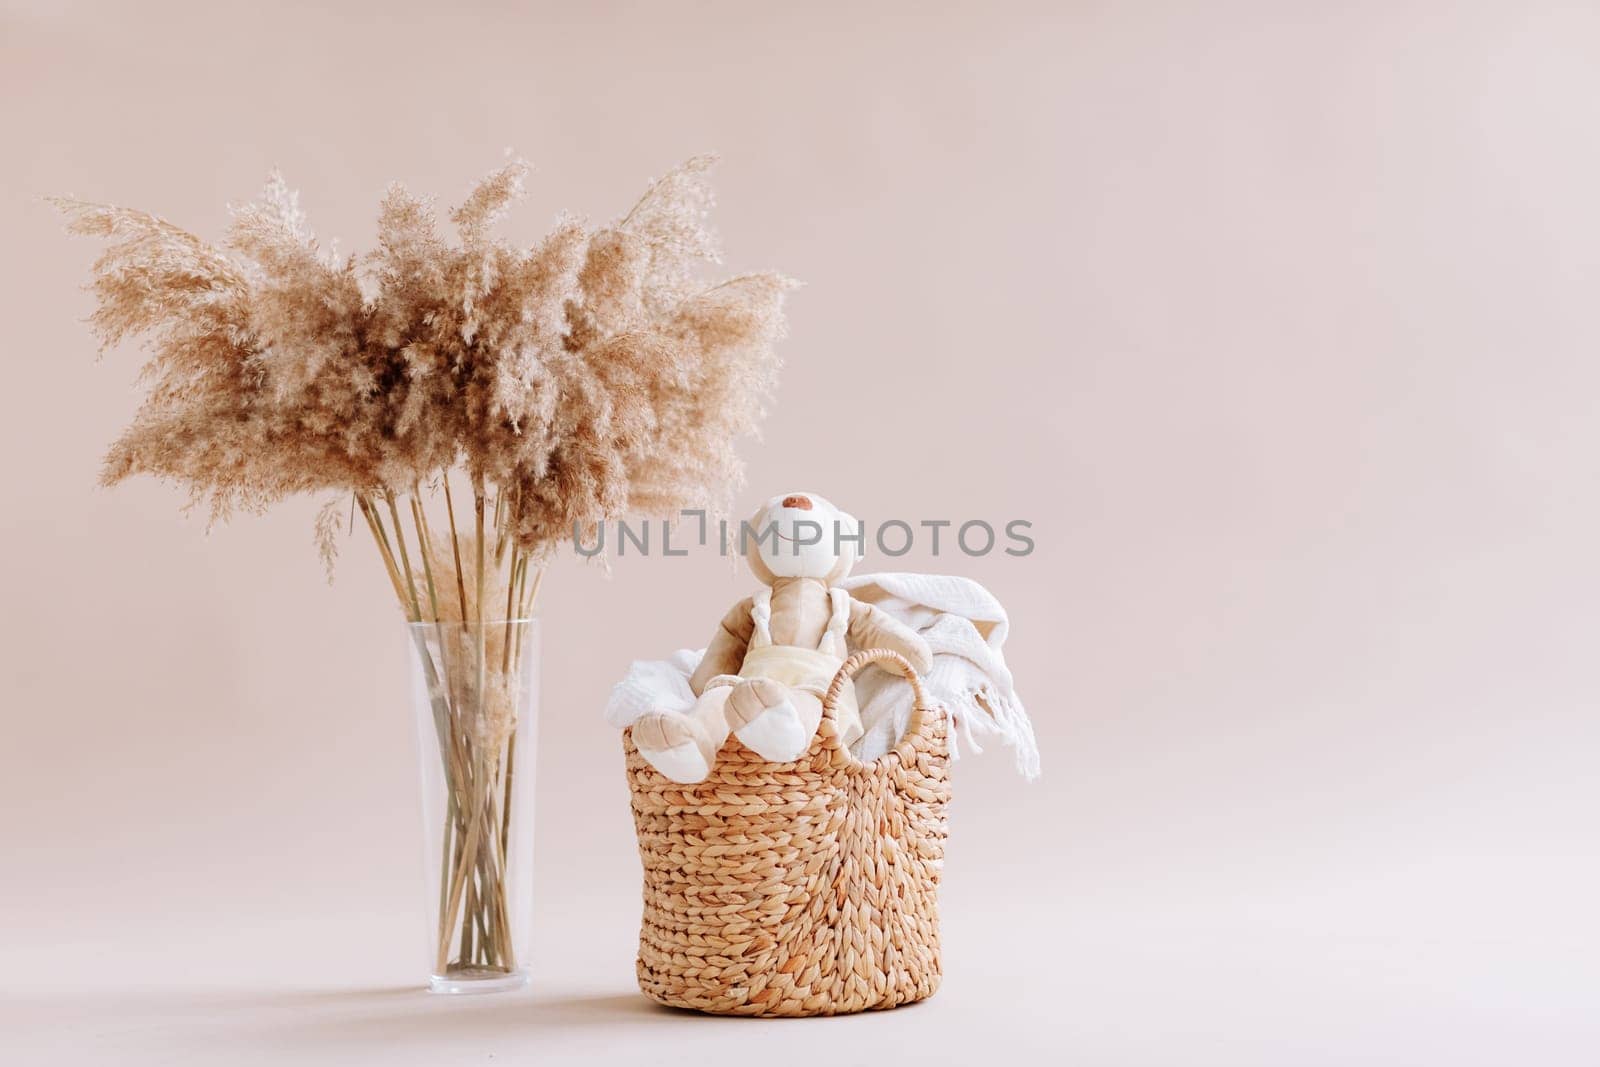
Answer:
(965, 627)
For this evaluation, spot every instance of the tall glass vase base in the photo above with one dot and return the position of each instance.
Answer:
(477, 980)
(476, 687)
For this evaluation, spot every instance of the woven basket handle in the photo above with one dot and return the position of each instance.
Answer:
(882, 657)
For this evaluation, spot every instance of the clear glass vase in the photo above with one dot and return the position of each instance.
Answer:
(476, 691)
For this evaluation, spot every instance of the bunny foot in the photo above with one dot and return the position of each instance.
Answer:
(765, 719)
(672, 744)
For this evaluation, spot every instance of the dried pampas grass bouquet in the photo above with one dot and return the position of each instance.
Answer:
(476, 403)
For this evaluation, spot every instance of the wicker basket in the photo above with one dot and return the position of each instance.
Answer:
(805, 888)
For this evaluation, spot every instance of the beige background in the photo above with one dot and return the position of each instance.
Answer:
(1278, 321)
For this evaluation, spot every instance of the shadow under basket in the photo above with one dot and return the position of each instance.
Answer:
(792, 889)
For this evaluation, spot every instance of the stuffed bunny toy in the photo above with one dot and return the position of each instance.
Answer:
(774, 655)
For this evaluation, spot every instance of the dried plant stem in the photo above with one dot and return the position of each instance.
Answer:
(382, 542)
(502, 526)
(511, 608)
(481, 647)
(477, 601)
(405, 557)
(505, 802)
(471, 915)
(533, 594)
(425, 541)
(458, 883)
(453, 813)
(455, 546)
(526, 599)
(461, 593)
(438, 695)
(514, 632)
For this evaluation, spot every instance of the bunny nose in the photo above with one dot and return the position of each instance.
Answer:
(803, 503)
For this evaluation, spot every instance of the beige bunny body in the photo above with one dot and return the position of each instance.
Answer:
(774, 655)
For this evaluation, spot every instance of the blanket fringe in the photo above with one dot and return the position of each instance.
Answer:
(1006, 719)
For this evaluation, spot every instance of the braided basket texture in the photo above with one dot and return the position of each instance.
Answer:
(805, 888)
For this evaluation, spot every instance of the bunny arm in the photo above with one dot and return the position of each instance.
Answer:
(725, 652)
(872, 627)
